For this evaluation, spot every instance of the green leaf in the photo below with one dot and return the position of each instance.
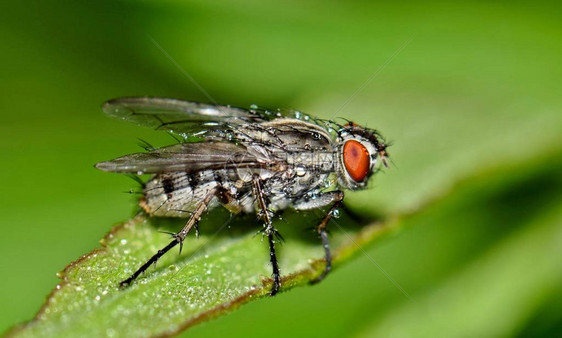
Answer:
(214, 274)
(224, 269)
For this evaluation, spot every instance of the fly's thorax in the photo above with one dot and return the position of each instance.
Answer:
(290, 146)
(287, 132)
(277, 140)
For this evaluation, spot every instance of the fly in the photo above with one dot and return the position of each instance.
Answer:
(247, 160)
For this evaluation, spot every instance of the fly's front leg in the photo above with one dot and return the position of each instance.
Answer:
(270, 232)
(323, 233)
(178, 238)
(335, 197)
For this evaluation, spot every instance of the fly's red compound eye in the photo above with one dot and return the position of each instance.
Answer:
(356, 160)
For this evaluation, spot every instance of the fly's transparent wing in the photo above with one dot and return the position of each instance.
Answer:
(182, 117)
(187, 157)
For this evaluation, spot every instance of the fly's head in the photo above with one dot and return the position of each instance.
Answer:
(359, 151)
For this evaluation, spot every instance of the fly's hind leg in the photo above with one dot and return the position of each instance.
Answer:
(178, 237)
(271, 233)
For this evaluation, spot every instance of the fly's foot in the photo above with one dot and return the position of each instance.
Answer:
(323, 275)
(126, 283)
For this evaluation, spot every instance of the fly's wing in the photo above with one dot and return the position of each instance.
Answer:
(186, 157)
(178, 116)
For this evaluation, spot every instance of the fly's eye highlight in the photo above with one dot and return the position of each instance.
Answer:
(356, 160)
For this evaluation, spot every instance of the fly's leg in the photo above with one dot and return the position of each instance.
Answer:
(323, 233)
(332, 197)
(270, 232)
(146, 265)
(274, 264)
(178, 237)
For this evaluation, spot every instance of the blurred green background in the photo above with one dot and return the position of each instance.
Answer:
(472, 105)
